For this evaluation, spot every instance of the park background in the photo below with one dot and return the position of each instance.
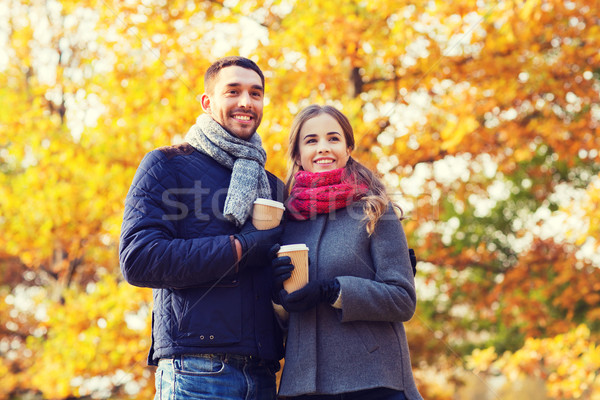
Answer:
(481, 116)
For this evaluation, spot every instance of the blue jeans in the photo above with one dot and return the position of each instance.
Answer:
(215, 376)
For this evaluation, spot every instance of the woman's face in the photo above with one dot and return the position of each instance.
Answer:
(322, 145)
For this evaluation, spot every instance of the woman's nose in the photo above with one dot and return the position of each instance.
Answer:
(323, 147)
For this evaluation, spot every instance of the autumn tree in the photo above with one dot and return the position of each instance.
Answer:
(481, 117)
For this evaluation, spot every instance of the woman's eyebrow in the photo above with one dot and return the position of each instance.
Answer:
(328, 133)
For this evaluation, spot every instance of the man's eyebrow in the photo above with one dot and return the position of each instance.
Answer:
(236, 84)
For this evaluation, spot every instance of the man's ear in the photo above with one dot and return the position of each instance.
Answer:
(205, 102)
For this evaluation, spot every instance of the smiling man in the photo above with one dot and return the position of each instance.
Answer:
(234, 98)
(187, 234)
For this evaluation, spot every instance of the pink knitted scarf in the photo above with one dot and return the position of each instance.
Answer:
(322, 192)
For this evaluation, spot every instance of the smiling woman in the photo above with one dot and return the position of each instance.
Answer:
(322, 145)
(361, 282)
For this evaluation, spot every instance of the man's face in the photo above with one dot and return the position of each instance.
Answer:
(236, 101)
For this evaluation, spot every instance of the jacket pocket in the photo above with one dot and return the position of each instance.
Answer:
(208, 316)
(366, 336)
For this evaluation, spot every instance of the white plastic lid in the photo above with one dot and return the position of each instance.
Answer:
(268, 202)
(293, 247)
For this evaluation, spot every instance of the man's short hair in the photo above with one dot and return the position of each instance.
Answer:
(213, 70)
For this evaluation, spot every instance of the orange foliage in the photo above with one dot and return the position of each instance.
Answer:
(88, 87)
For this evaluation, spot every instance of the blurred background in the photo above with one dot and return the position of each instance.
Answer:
(482, 117)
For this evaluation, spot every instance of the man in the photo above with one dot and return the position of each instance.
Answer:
(187, 234)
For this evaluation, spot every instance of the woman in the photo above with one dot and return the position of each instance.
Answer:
(346, 338)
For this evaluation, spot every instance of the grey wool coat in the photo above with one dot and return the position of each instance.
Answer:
(362, 345)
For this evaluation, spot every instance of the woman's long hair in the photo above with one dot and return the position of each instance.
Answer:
(376, 200)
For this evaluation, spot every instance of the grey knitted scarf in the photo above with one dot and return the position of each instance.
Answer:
(246, 159)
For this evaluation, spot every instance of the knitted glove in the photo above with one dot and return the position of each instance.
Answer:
(413, 260)
(310, 295)
(256, 244)
(282, 269)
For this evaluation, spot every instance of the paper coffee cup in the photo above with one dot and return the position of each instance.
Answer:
(299, 255)
(266, 214)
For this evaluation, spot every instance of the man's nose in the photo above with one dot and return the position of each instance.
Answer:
(244, 100)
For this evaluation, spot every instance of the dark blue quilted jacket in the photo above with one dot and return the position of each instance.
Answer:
(175, 240)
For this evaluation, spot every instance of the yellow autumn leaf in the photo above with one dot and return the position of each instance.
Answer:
(456, 130)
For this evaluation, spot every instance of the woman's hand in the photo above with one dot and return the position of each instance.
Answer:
(281, 268)
(310, 295)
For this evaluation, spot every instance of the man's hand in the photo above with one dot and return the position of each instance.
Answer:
(413, 261)
(256, 244)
